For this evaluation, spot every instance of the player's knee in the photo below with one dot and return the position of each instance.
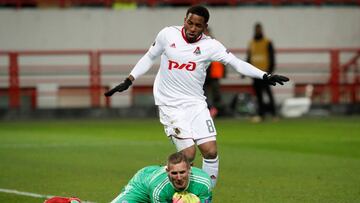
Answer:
(208, 150)
(210, 154)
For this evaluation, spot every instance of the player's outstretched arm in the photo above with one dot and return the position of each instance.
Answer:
(143, 65)
(249, 70)
(121, 87)
(273, 79)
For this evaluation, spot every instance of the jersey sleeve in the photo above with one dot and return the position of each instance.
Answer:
(246, 68)
(220, 53)
(146, 62)
(205, 195)
(201, 185)
(161, 196)
(227, 58)
(157, 48)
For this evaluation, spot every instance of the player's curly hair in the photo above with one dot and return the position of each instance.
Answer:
(178, 157)
(200, 11)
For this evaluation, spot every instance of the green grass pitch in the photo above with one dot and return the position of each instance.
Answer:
(296, 160)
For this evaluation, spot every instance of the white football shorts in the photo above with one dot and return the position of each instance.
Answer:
(187, 126)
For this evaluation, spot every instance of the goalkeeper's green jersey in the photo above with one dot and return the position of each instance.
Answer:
(152, 185)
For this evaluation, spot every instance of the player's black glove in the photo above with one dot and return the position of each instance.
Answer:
(273, 79)
(119, 88)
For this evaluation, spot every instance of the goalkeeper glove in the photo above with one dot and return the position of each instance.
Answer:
(273, 79)
(119, 88)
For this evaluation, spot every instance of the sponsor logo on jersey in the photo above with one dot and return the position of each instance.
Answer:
(197, 51)
(190, 66)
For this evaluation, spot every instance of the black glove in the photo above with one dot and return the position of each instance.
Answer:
(119, 88)
(273, 79)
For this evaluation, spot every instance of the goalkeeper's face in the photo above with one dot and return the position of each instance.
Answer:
(179, 175)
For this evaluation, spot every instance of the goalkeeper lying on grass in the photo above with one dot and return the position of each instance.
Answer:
(177, 182)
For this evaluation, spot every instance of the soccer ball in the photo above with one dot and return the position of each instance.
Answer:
(185, 197)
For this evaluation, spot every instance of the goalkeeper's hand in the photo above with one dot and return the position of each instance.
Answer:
(119, 88)
(273, 79)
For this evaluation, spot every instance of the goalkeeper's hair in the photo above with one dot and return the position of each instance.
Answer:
(177, 158)
(200, 11)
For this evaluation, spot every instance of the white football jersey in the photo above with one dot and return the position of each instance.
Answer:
(182, 72)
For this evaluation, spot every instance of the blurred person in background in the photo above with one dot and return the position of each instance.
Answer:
(261, 54)
(214, 73)
(178, 88)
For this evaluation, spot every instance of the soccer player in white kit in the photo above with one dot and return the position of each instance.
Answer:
(178, 88)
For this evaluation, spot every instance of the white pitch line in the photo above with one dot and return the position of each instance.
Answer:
(29, 194)
(122, 143)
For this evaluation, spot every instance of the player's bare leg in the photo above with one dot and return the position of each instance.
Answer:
(210, 160)
(190, 153)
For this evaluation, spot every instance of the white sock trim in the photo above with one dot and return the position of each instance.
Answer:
(210, 161)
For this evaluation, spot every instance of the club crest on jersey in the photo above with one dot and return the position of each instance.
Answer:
(173, 45)
(190, 66)
(197, 51)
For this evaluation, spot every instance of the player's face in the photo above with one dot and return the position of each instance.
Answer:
(179, 175)
(194, 25)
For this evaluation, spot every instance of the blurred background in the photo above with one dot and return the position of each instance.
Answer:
(57, 57)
